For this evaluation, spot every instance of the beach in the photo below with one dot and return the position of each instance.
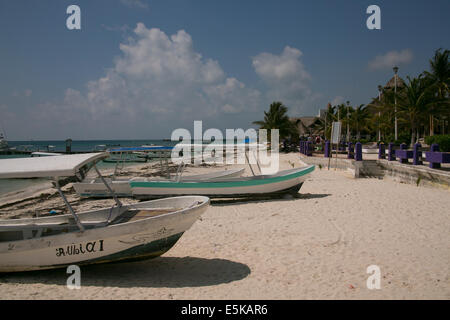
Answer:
(317, 245)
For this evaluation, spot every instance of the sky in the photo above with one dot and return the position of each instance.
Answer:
(139, 69)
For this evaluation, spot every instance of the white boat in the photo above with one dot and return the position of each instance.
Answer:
(121, 185)
(45, 154)
(122, 232)
(100, 147)
(287, 181)
(146, 152)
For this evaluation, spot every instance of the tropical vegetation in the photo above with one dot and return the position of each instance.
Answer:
(277, 118)
(420, 105)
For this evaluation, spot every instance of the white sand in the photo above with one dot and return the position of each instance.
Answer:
(317, 246)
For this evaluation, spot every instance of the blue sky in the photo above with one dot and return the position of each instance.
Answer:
(141, 68)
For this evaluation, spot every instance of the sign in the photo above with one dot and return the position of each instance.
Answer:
(336, 132)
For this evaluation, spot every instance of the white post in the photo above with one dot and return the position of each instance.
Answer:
(119, 204)
(77, 220)
(379, 113)
(348, 124)
(395, 95)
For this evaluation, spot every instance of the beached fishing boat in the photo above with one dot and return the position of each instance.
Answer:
(45, 154)
(121, 232)
(144, 152)
(95, 188)
(121, 186)
(286, 181)
(128, 158)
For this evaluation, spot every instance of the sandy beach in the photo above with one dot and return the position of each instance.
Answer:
(315, 246)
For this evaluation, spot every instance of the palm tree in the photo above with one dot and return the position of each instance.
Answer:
(277, 118)
(360, 120)
(382, 110)
(324, 125)
(414, 101)
(438, 81)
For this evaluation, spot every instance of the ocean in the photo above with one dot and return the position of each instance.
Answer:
(82, 145)
(8, 185)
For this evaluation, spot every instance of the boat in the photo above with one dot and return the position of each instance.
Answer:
(118, 233)
(121, 185)
(286, 181)
(100, 148)
(150, 152)
(138, 154)
(124, 158)
(45, 154)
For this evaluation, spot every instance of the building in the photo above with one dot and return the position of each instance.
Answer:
(306, 125)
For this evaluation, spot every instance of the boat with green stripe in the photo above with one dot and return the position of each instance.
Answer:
(282, 182)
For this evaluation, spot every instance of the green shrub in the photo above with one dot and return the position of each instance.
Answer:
(403, 137)
(442, 140)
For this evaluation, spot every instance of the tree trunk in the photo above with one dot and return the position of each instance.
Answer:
(431, 126)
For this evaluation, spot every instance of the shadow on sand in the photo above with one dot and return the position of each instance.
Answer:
(288, 197)
(162, 272)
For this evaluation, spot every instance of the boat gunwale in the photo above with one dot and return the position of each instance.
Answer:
(110, 226)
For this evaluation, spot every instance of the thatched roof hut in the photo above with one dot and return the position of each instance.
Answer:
(391, 83)
(305, 125)
(389, 86)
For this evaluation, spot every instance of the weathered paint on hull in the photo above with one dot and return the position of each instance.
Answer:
(244, 187)
(122, 188)
(145, 251)
(146, 238)
(142, 252)
(98, 190)
(291, 190)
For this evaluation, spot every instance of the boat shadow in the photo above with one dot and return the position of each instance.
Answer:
(161, 272)
(288, 197)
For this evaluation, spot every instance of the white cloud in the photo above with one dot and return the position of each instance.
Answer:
(391, 59)
(164, 75)
(280, 67)
(229, 109)
(337, 101)
(287, 79)
(157, 84)
(135, 4)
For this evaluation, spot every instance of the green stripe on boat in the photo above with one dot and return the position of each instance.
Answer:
(220, 184)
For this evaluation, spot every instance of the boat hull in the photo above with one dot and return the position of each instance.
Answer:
(97, 189)
(122, 188)
(238, 187)
(141, 239)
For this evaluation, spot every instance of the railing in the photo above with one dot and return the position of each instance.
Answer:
(353, 152)
(434, 157)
